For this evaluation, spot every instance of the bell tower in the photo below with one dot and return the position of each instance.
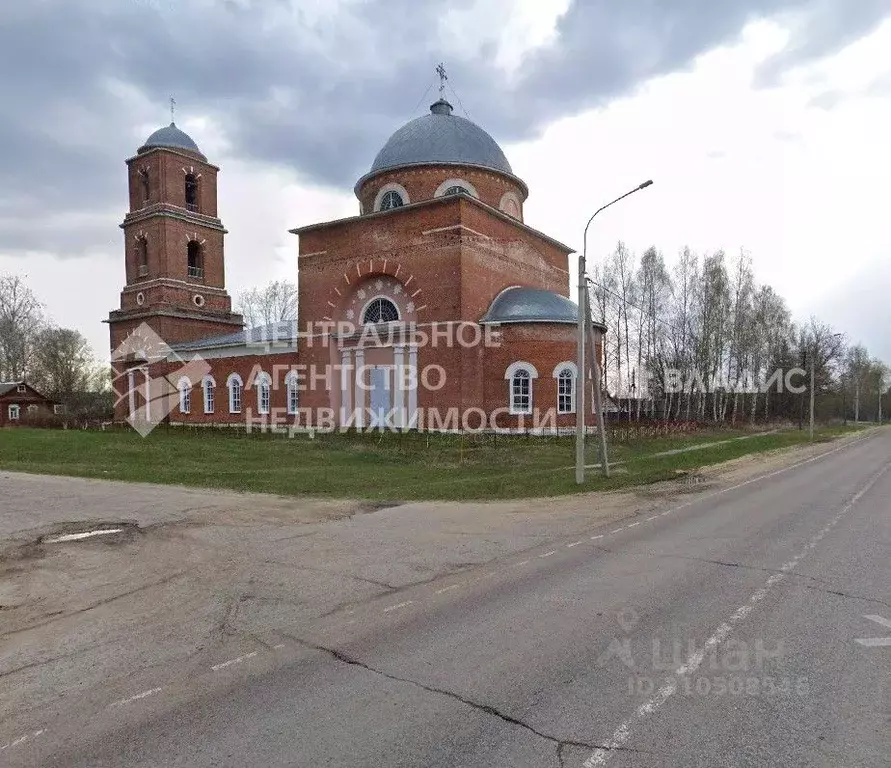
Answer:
(173, 245)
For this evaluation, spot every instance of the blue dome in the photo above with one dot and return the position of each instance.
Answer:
(440, 138)
(532, 305)
(171, 137)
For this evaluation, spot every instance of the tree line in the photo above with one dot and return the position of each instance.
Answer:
(58, 362)
(702, 340)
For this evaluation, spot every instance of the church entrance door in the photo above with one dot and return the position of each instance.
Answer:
(381, 398)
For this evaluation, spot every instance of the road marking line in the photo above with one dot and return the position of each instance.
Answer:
(621, 735)
(236, 660)
(598, 536)
(574, 544)
(618, 529)
(278, 647)
(398, 606)
(631, 525)
(652, 518)
(548, 554)
(137, 697)
(446, 589)
(876, 642)
(522, 562)
(22, 739)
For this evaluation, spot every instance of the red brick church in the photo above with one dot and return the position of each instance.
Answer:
(435, 307)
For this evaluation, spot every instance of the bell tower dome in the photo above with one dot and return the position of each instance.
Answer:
(173, 244)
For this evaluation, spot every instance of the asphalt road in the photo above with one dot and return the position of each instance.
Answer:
(717, 631)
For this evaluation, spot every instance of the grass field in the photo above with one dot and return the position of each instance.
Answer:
(384, 466)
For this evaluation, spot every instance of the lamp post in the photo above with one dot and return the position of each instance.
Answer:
(580, 361)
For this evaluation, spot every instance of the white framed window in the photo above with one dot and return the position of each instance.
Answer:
(519, 376)
(185, 395)
(33, 408)
(21, 389)
(235, 385)
(390, 196)
(380, 310)
(565, 374)
(454, 187)
(14, 412)
(58, 409)
(264, 391)
(292, 383)
(208, 389)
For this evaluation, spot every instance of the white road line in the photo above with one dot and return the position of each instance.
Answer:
(22, 739)
(631, 525)
(522, 562)
(446, 589)
(618, 529)
(137, 697)
(574, 544)
(398, 606)
(876, 642)
(278, 647)
(548, 554)
(621, 735)
(598, 536)
(236, 660)
(652, 518)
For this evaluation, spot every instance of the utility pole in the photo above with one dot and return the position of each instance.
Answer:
(581, 333)
(597, 380)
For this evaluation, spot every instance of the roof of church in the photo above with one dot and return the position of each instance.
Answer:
(440, 138)
(274, 333)
(531, 305)
(171, 137)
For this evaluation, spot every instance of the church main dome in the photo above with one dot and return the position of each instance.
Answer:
(171, 137)
(440, 138)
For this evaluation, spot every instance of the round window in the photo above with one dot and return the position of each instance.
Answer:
(198, 299)
(140, 298)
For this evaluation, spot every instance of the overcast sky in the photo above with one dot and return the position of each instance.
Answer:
(764, 123)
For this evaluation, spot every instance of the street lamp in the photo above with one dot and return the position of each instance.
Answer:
(584, 322)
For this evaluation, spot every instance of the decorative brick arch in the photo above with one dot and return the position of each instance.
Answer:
(362, 272)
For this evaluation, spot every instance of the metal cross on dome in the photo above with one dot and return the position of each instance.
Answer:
(172, 109)
(440, 70)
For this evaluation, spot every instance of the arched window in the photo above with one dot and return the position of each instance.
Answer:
(146, 185)
(519, 376)
(292, 383)
(391, 199)
(264, 391)
(14, 412)
(456, 187)
(142, 256)
(234, 384)
(380, 310)
(208, 387)
(185, 395)
(564, 373)
(195, 268)
(191, 192)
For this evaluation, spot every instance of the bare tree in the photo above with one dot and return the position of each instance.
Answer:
(273, 303)
(64, 365)
(21, 321)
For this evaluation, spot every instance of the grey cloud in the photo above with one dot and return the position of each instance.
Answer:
(320, 96)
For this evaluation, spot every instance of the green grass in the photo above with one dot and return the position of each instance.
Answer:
(386, 466)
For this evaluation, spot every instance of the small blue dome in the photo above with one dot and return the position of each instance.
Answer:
(171, 137)
(531, 305)
(440, 138)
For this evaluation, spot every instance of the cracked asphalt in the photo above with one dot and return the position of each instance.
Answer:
(710, 628)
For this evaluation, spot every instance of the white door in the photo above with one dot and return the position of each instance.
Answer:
(381, 398)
